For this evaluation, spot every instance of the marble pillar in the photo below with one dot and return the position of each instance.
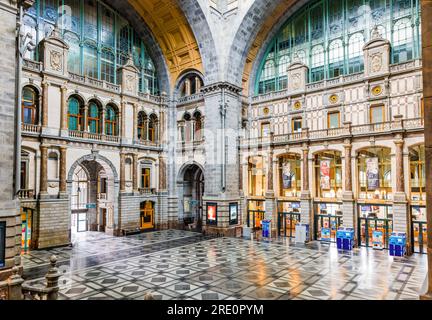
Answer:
(63, 177)
(348, 206)
(63, 110)
(135, 172)
(306, 210)
(45, 87)
(44, 171)
(122, 172)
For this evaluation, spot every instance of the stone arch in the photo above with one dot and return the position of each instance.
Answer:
(103, 161)
(186, 166)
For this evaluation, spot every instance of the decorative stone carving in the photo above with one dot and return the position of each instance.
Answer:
(54, 54)
(129, 75)
(377, 56)
(56, 60)
(297, 77)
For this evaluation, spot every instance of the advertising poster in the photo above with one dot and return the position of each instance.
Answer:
(378, 240)
(325, 174)
(372, 173)
(211, 213)
(286, 175)
(233, 209)
(325, 234)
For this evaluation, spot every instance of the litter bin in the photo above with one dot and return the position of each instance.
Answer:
(266, 228)
(397, 244)
(340, 237)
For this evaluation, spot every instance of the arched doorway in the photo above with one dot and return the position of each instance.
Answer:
(93, 186)
(191, 194)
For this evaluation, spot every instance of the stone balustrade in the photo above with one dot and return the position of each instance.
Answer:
(15, 288)
(26, 194)
(337, 133)
(31, 128)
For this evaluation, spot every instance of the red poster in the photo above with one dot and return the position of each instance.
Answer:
(211, 213)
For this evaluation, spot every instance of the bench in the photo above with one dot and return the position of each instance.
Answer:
(129, 232)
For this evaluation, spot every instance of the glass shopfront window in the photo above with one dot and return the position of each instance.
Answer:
(288, 217)
(375, 224)
(257, 177)
(256, 213)
(290, 175)
(328, 219)
(374, 174)
(419, 228)
(328, 175)
(417, 173)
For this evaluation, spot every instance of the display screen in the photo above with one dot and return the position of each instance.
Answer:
(233, 209)
(212, 213)
(2, 243)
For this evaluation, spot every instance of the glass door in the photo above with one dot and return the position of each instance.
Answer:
(256, 214)
(288, 217)
(82, 222)
(328, 219)
(419, 229)
(375, 225)
(147, 215)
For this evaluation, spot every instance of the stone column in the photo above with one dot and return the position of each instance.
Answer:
(162, 173)
(348, 206)
(270, 206)
(102, 131)
(162, 128)
(401, 220)
(135, 123)
(426, 25)
(44, 171)
(122, 172)
(135, 172)
(122, 120)
(45, 111)
(306, 210)
(63, 109)
(85, 121)
(63, 152)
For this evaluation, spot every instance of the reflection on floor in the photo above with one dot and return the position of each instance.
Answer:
(184, 265)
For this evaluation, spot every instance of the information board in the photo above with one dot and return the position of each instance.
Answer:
(2, 243)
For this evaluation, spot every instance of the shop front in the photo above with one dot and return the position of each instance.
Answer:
(375, 210)
(328, 194)
(288, 204)
(288, 217)
(256, 213)
(418, 198)
(147, 215)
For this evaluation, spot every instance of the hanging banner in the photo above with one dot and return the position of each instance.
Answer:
(286, 175)
(372, 173)
(325, 174)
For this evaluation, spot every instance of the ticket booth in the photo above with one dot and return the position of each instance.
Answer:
(375, 219)
(288, 217)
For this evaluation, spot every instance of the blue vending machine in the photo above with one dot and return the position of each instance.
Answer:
(266, 228)
(397, 244)
(345, 238)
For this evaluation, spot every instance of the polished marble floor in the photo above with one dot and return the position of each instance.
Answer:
(184, 265)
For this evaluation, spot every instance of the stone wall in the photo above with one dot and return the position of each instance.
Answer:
(8, 206)
(53, 222)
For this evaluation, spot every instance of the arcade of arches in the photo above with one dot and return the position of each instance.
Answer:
(213, 116)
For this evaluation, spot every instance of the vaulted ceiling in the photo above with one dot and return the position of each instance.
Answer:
(172, 32)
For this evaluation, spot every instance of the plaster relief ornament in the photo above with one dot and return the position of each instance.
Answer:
(376, 62)
(296, 81)
(129, 82)
(56, 60)
(377, 90)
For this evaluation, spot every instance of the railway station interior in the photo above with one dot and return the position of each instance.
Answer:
(216, 149)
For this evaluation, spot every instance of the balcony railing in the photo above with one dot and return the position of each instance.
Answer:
(94, 82)
(147, 191)
(191, 98)
(93, 136)
(26, 194)
(346, 130)
(31, 128)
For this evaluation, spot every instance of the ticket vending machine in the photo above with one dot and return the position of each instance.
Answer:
(326, 234)
(345, 238)
(397, 244)
(266, 229)
(378, 240)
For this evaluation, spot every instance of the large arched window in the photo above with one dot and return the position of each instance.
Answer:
(111, 119)
(30, 106)
(328, 174)
(257, 176)
(94, 118)
(374, 174)
(355, 53)
(152, 128)
(75, 114)
(336, 25)
(402, 41)
(142, 125)
(100, 40)
(284, 62)
(417, 173)
(336, 59)
(317, 70)
(290, 175)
